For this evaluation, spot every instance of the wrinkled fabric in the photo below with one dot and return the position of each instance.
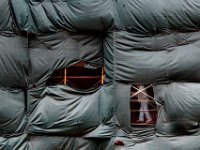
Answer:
(147, 17)
(52, 16)
(160, 57)
(180, 108)
(66, 143)
(12, 111)
(141, 41)
(14, 142)
(14, 61)
(7, 22)
(65, 117)
(154, 143)
(52, 52)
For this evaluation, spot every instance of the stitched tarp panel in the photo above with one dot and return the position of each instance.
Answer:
(180, 106)
(83, 15)
(155, 143)
(163, 58)
(52, 16)
(7, 23)
(136, 41)
(12, 111)
(61, 110)
(13, 61)
(144, 16)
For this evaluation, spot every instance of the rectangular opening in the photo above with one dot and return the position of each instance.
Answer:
(80, 76)
(142, 105)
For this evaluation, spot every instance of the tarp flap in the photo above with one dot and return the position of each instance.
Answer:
(64, 111)
(12, 111)
(56, 51)
(13, 61)
(181, 108)
(134, 63)
(6, 17)
(145, 16)
(52, 16)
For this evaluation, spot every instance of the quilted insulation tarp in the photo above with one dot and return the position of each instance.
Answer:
(136, 41)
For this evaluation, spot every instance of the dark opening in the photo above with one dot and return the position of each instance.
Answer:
(57, 77)
(142, 105)
(80, 76)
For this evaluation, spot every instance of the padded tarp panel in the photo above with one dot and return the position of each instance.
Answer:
(141, 67)
(175, 143)
(157, 143)
(107, 103)
(159, 43)
(51, 143)
(22, 15)
(103, 131)
(65, 143)
(7, 23)
(39, 16)
(107, 127)
(149, 65)
(28, 142)
(59, 50)
(14, 143)
(12, 111)
(13, 61)
(52, 16)
(180, 110)
(60, 110)
(145, 16)
(122, 105)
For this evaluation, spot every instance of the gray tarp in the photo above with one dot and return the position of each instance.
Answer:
(81, 15)
(14, 143)
(179, 110)
(72, 113)
(6, 17)
(157, 143)
(59, 50)
(12, 111)
(52, 16)
(25, 141)
(108, 53)
(162, 57)
(147, 17)
(136, 41)
(14, 61)
(66, 143)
